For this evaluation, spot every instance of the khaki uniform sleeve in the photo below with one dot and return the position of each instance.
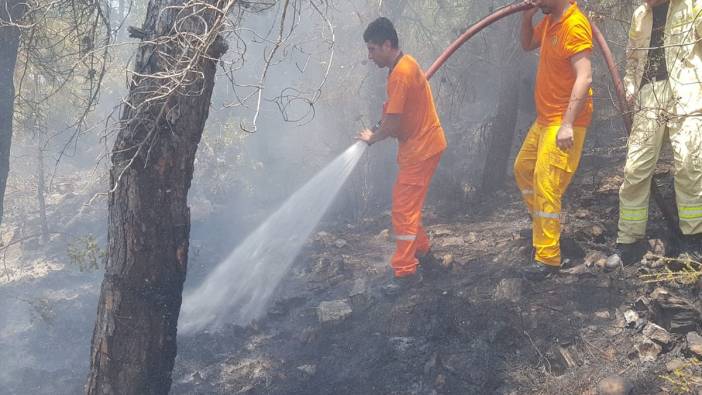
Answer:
(697, 14)
(632, 56)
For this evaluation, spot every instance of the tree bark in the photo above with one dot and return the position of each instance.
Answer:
(501, 135)
(41, 196)
(36, 124)
(11, 11)
(134, 341)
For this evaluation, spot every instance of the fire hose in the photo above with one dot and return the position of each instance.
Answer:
(503, 12)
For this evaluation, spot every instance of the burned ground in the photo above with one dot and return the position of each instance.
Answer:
(474, 325)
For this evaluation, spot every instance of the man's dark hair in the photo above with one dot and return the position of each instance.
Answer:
(380, 30)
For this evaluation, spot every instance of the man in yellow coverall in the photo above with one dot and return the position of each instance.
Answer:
(662, 82)
(551, 150)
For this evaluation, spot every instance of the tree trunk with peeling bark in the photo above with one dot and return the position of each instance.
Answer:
(134, 341)
(11, 11)
(501, 136)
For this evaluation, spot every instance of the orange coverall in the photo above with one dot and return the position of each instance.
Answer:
(421, 142)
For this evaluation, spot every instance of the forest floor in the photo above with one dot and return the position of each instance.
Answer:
(473, 327)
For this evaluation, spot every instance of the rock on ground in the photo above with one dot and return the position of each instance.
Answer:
(615, 385)
(333, 311)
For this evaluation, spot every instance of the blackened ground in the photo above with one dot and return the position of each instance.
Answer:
(474, 327)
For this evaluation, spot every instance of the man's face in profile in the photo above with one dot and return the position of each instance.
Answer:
(380, 53)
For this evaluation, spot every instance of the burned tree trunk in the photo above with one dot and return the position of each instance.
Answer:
(11, 12)
(501, 135)
(134, 341)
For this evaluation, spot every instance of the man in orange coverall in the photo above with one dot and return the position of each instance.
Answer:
(409, 116)
(552, 148)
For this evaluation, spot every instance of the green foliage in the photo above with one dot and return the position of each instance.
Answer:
(685, 379)
(686, 271)
(223, 168)
(86, 253)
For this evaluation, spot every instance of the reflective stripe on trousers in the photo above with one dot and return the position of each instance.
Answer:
(541, 214)
(546, 170)
(633, 214)
(408, 197)
(690, 212)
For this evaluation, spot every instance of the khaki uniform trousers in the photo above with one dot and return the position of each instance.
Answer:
(650, 124)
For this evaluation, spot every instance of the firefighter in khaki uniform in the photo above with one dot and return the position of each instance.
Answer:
(663, 82)
(409, 115)
(551, 150)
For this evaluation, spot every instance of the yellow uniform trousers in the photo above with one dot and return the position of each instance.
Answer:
(543, 172)
(650, 124)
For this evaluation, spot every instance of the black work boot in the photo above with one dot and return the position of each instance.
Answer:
(425, 258)
(538, 271)
(430, 264)
(631, 253)
(571, 251)
(398, 285)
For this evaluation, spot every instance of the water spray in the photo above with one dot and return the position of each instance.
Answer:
(239, 288)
